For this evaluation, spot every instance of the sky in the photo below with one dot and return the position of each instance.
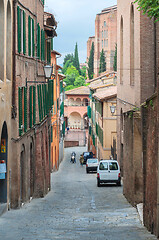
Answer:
(76, 23)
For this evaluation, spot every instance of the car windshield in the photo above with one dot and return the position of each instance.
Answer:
(113, 166)
(103, 166)
(86, 154)
(92, 160)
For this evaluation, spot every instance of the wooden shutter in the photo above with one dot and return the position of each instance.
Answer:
(38, 41)
(29, 36)
(25, 109)
(34, 105)
(33, 47)
(30, 106)
(19, 28)
(24, 33)
(20, 110)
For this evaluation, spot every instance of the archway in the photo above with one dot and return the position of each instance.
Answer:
(71, 102)
(78, 102)
(3, 164)
(2, 40)
(75, 120)
(9, 42)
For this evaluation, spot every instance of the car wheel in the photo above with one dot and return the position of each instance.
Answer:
(98, 183)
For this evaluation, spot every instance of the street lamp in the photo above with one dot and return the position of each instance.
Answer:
(48, 69)
(112, 109)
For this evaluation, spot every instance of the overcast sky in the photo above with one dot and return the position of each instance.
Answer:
(76, 23)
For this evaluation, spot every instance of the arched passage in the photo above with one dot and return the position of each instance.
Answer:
(75, 120)
(9, 42)
(2, 40)
(86, 122)
(3, 164)
(85, 102)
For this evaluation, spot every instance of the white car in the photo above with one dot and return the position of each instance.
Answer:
(91, 165)
(108, 171)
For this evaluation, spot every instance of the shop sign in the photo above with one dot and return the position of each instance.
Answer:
(3, 145)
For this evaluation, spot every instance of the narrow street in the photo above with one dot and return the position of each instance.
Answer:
(75, 209)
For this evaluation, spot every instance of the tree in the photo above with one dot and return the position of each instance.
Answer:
(149, 7)
(102, 65)
(80, 81)
(68, 57)
(76, 59)
(70, 79)
(72, 70)
(91, 63)
(68, 64)
(83, 71)
(115, 59)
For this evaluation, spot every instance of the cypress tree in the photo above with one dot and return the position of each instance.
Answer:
(76, 59)
(102, 66)
(115, 59)
(91, 63)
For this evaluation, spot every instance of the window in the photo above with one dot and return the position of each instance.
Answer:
(31, 37)
(102, 34)
(103, 166)
(113, 166)
(105, 24)
(32, 105)
(21, 30)
(22, 98)
(102, 43)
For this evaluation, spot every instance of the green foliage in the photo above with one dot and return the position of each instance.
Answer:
(149, 7)
(83, 71)
(102, 65)
(76, 59)
(91, 63)
(69, 80)
(72, 70)
(68, 64)
(115, 59)
(68, 57)
(80, 81)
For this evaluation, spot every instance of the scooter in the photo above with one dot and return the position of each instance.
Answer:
(73, 159)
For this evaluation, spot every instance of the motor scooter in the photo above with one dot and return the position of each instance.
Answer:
(73, 157)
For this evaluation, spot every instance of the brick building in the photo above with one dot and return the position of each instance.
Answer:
(105, 38)
(6, 13)
(137, 109)
(31, 101)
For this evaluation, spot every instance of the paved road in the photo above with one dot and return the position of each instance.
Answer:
(75, 209)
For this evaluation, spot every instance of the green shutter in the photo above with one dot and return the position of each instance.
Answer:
(39, 104)
(41, 44)
(29, 36)
(33, 49)
(19, 28)
(52, 47)
(41, 101)
(24, 33)
(30, 107)
(38, 41)
(20, 110)
(25, 109)
(48, 52)
(34, 105)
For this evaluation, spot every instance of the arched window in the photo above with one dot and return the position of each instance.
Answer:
(132, 45)
(2, 40)
(9, 42)
(121, 50)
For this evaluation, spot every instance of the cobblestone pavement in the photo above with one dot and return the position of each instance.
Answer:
(75, 209)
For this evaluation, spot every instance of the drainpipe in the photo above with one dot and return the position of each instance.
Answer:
(14, 111)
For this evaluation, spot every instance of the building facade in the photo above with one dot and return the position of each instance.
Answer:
(105, 38)
(31, 101)
(6, 81)
(136, 105)
(102, 123)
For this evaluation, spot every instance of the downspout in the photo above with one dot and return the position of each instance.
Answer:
(14, 110)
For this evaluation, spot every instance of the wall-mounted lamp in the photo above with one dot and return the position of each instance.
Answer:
(48, 70)
(112, 109)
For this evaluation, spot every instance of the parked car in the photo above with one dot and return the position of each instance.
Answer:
(91, 164)
(87, 155)
(108, 171)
